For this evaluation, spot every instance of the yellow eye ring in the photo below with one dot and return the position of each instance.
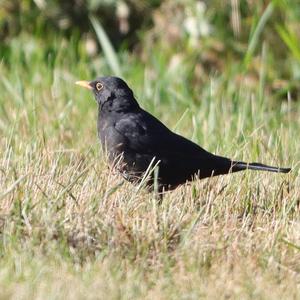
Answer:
(99, 86)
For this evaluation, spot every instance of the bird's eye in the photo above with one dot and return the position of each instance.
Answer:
(99, 86)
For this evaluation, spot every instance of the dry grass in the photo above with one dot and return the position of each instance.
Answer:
(70, 227)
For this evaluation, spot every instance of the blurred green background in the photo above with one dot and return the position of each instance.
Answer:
(234, 62)
(197, 65)
(208, 37)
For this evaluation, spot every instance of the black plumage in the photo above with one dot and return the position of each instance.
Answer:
(134, 138)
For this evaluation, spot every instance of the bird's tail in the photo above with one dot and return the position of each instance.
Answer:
(240, 166)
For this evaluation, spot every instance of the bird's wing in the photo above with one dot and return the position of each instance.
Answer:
(146, 134)
(147, 138)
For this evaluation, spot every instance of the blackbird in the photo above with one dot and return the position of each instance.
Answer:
(136, 139)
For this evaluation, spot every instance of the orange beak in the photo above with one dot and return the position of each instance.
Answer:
(84, 84)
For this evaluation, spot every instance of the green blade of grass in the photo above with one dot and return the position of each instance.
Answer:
(257, 32)
(290, 39)
(290, 244)
(109, 52)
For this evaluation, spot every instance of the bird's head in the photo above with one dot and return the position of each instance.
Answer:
(111, 92)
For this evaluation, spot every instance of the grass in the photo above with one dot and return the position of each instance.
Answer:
(70, 227)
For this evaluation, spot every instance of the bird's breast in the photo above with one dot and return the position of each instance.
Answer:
(112, 142)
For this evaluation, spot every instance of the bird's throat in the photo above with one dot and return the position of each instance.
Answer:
(118, 105)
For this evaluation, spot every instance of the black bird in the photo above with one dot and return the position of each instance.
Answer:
(136, 139)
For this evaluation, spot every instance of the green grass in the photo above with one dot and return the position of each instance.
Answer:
(70, 227)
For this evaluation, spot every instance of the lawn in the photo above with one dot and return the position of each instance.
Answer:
(72, 228)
